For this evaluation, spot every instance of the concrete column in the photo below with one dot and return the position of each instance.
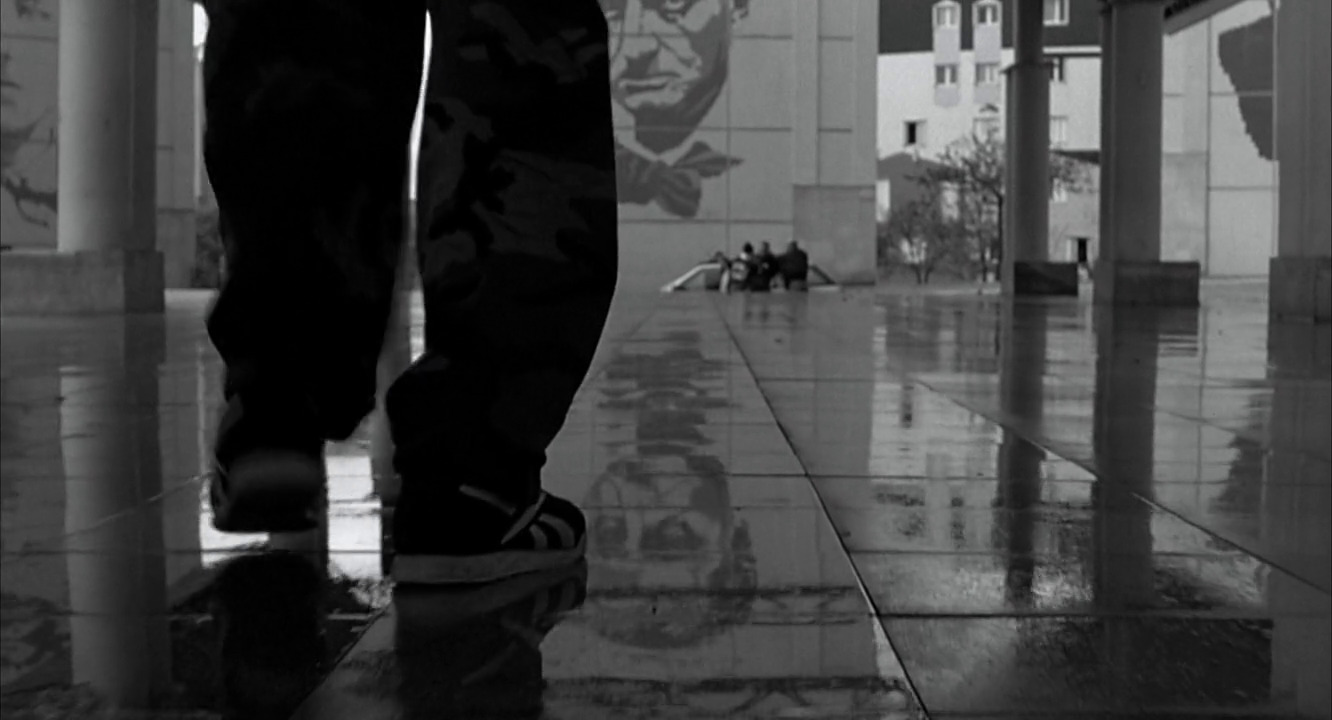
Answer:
(1027, 270)
(98, 105)
(1136, 37)
(1130, 270)
(1028, 138)
(1106, 182)
(1301, 274)
(106, 259)
(1293, 527)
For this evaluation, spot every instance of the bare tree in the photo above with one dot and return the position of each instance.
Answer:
(974, 168)
(920, 236)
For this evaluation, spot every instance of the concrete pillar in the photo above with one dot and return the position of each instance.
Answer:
(106, 259)
(1301, 274)
(1027, 270)
(1105, 184)
(1129, 269)
(1295, 531)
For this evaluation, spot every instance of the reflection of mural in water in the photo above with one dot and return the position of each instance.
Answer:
(661, 517)
(1243, 494)
(1246, 57)
(28, 122)
(670, 62)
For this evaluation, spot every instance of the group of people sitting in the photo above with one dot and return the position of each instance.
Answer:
(759, 271)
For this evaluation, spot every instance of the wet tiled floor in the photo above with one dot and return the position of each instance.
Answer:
(818, 506)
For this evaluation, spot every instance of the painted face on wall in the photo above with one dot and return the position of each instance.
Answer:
(670, 58)
(23, 72)
(22, 104)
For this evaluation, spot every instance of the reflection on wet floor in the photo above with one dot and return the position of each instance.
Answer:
(830, 506)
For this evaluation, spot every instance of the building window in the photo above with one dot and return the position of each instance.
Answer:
(915, 133)
(1058, 192)
(1056, 12)
(1058, 69)
(987, 73)
(945, 74)
(987, 13)
(985, 126)
(1058, 131)
(947, 14)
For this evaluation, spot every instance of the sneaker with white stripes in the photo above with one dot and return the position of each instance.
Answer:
(481, 539)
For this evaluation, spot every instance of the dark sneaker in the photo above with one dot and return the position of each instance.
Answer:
(263, 481)
(480, 539)
(477, 653)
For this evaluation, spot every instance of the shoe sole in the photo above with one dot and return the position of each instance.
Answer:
(444, 607)
(477, 569)
(276, 492)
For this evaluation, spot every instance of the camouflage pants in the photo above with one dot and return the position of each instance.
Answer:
(309, 105)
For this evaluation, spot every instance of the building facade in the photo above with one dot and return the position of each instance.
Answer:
(740, 121)
(938, 84)
(942, 78)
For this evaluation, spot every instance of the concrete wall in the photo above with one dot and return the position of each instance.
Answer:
(1219, 174)
(29, 44)
(769, 135)
(1074, 216)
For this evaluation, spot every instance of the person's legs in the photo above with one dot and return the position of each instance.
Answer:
(517, 249)
(309, 105)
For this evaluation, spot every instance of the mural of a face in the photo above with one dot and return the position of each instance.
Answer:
(661, 515)
(669, 62)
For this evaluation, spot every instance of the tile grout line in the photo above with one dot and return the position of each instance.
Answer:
(823, 506)
(1049, 445)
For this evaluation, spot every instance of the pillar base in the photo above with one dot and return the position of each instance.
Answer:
(1044, 278)
(82, 283)
(1301, 288)
(1153, 284)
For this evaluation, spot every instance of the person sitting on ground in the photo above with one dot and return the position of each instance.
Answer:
(742, 268)
(794, 268)
(765, 269)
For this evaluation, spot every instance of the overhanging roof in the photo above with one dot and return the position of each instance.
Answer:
(1181, 14)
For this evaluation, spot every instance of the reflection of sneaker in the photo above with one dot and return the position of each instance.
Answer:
(478, 538)
(477, 653)
(270, 630)
(262, 482)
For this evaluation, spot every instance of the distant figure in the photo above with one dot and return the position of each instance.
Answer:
(742, 269)
(765, 269)
(794, 268)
